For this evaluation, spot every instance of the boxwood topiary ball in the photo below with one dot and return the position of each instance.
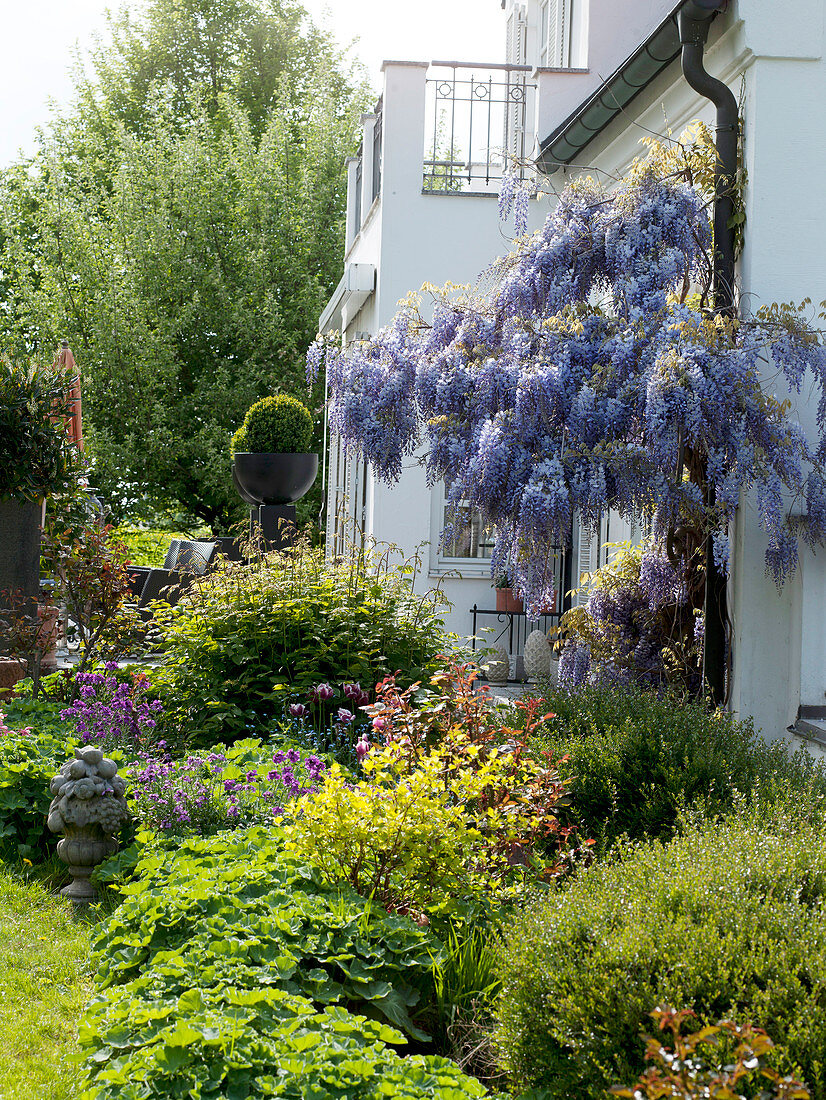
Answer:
(275, 425)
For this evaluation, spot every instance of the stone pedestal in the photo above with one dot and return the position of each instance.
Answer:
(82, 849)
(275, 523)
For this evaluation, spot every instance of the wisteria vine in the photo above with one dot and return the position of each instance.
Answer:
(593, 375)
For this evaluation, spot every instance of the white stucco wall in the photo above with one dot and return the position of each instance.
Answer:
(413, 238)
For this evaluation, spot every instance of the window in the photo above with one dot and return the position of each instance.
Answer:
(555, 33)
(470, 545)
(469, 538)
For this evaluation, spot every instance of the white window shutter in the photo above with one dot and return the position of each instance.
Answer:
(554, 34)
(513, 139)
(559, 33)
(587, 555)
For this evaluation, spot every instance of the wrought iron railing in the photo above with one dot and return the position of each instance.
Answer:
(510, 628)
(481, 122)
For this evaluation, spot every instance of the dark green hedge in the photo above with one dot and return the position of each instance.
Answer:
(636, 761)
(727, 919)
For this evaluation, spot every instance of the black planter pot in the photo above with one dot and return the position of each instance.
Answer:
(20, 547)
(242, 493)
(273, 478)
(19, 553)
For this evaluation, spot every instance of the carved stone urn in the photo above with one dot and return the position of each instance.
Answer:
(82, 849)
(497, 666)
(88, 807)
(537, 655)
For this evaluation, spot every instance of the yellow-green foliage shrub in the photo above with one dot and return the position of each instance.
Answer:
(422, 831)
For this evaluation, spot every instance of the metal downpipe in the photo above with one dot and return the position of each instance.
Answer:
(695, 19)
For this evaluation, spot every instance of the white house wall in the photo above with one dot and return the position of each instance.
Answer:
(772, 56)
(413, 238)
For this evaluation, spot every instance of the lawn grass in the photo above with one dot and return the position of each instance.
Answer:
(44, 981)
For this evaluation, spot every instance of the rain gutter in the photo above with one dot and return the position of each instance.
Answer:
(565, 145)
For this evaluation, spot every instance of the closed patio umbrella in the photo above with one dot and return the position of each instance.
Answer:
(74, 424)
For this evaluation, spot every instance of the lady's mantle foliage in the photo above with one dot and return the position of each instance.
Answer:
(536, 403)
(226, 972)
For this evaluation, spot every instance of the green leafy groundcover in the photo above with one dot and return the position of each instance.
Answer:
(28, 760)
(231, 970)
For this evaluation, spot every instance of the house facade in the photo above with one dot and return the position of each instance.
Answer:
(581, 83)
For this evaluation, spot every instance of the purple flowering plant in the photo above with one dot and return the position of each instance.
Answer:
(115, 711)
(210, 791)
(639, 625)
(591, 372)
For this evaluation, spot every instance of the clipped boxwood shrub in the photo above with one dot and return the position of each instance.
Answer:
(636, 760)
(275, 425)
(243, 639)
(728, 920)
(231, 970)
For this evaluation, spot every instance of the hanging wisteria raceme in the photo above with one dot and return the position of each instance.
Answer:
(592, 375)
(637, 626)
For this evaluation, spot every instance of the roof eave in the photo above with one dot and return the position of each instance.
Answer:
(564, 146)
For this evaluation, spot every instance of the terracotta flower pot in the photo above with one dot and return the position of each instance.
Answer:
(47, 614)
(12, 671)
(508, 603)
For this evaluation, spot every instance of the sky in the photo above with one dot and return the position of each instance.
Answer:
(40, 35)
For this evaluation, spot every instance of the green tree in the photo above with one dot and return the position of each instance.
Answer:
(183, 227)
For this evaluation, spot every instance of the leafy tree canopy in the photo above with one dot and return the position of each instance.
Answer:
(265, 52)
(182, 226)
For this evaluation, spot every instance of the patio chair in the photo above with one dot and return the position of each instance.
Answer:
(184, 560)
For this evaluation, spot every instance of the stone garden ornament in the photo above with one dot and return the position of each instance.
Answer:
(497, 666)
(537, 656)
(88, 807)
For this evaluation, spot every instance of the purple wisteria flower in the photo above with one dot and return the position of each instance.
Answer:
(534, 404)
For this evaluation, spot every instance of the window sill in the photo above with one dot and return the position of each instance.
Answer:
(457, 572)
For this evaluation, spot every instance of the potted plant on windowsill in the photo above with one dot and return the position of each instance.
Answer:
(507, 602)
(272, 463)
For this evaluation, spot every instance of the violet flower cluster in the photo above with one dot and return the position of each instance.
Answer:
(535, 403)
(206, 793)
(633, 630)
(111, 713)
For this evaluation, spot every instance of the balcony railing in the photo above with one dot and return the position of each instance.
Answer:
(481, 120)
